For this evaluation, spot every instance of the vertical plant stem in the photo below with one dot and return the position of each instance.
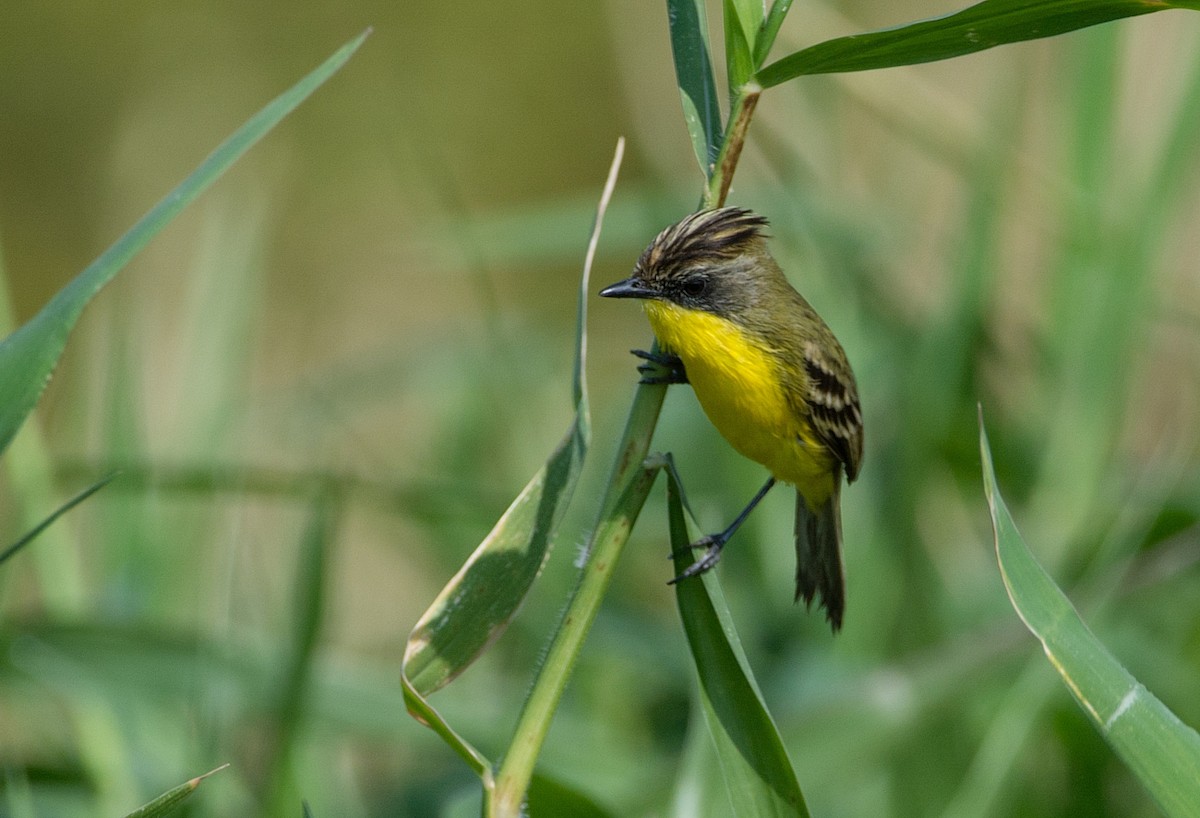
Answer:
(627, 490)
(731, 147)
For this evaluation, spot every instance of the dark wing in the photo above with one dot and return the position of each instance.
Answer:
(832, 399)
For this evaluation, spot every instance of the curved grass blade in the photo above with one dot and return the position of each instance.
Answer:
(420, 709)
(28, 356)
(58, 512)
(170, 800)
(1162, 751)
(757, 771)
(694, 74)
(481, 599)
(977, 28)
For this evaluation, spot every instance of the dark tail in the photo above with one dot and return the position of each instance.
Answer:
(819, 555)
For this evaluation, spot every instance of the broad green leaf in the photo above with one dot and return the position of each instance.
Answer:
(604, 549)
(754, 763)
(626, 492)
(743, 18)
(979, 27)
(694, 74)
(28, 356)
(481, 599)
(170, 800)
(1162, 751)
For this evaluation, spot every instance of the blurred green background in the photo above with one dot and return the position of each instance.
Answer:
(381, 296)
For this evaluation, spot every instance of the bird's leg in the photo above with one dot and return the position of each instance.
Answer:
(660, 367)
(713, 543)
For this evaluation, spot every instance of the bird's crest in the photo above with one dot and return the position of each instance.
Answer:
(716, 234)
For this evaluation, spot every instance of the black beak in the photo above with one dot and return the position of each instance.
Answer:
(629, 288)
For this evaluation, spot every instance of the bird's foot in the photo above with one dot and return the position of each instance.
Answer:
(712, 545)
(660, 367)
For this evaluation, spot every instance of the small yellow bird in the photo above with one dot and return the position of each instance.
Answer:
(768, 372)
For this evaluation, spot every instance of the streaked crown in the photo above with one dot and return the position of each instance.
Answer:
(705, 237)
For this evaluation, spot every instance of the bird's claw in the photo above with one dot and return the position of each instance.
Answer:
(660, 367)
(712, 545)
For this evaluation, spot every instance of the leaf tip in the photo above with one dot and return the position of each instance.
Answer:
(195, 782)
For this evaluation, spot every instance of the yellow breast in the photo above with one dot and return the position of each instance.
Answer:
(738, 385)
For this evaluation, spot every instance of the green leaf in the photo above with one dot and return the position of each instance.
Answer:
(632, 481)
(979, 27)
(604, 549)
(769, 31)
(481, 599)
(758, 774)
(549, 797)
(1162, 751)
(694, 74)
(750, 17)
(170, 800)
(743, 19)
(296, 680)
(28, 356)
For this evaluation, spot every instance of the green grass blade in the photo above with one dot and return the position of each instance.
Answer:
(694, 74)
(743, 19)
(170, 800)
(548, 796)
(627, 490)
(308, 613)
(979, 27)
(420, 709)
(750, 17)
(58, 512)
(611, 533)
(481, 599)
(769, 31)
(1162, 751)
(757, 771)
(28, 356)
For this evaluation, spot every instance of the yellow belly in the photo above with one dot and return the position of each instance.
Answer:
(738, 386)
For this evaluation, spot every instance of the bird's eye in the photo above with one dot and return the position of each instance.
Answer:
(695, 286)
